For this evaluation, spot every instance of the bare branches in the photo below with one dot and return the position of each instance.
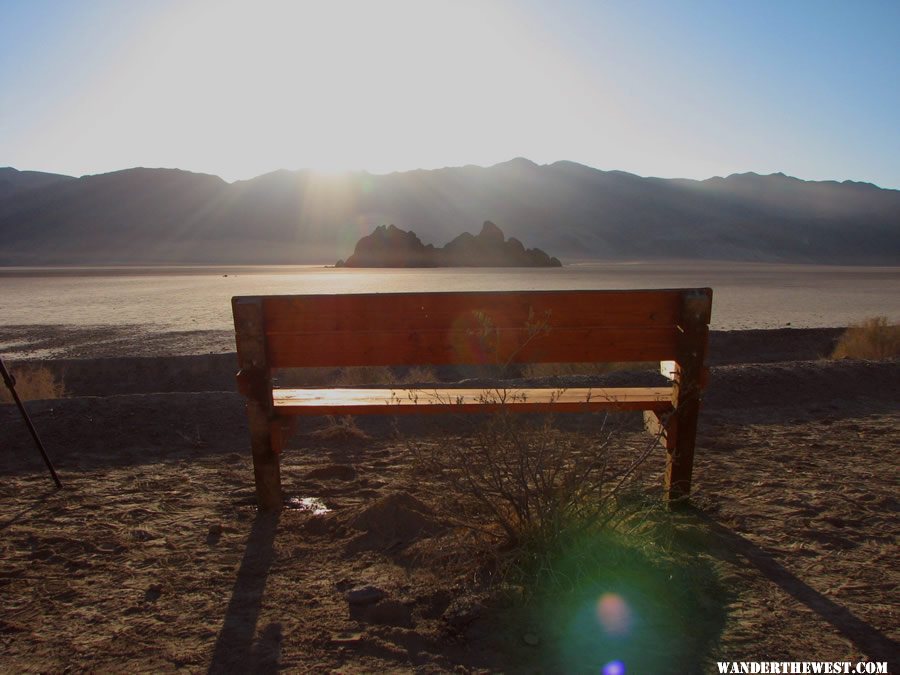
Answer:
(519, 479)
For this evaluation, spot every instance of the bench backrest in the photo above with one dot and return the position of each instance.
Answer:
(388, 329)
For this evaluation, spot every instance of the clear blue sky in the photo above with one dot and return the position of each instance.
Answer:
(665, 88)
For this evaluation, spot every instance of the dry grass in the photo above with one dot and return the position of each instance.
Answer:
(339, 429)
(515, 480)
(33, 383)
(551, 527)
(873, 339)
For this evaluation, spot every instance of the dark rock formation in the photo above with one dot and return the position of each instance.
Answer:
(392, 247)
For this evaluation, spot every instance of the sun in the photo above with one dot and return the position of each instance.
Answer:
(246, 88)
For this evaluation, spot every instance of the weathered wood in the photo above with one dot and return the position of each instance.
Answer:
(686, 392)
(477, 327)
(255, 383)
(669, 326)
(655, 425)
(266, 461)
(466, 310)
(386, 401)
(438, 347)
(249, 334)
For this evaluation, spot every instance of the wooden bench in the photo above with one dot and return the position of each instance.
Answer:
(406, 329)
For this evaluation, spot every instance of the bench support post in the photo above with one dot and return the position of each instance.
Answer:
(254, 382)
(266, 461)
(681, 431)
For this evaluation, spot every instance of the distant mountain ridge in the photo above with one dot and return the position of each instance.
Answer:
(146, 216)
(13, 181)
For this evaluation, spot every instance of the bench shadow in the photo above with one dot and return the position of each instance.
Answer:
(868, 639)
(235, 649)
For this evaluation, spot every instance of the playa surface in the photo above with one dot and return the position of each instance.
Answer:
(153, 557)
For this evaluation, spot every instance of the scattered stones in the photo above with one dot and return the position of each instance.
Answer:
(365, 595)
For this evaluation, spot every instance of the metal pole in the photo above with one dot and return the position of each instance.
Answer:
(10, 382)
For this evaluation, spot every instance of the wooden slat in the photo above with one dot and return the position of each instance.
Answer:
(428, 311)
(448, 400)
(435, 347)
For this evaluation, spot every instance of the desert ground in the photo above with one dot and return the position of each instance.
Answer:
(153, 557)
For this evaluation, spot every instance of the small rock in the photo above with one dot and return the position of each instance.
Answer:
(463, 611)
(531, 639)
(365, 595)
(346, 638)
(214, 534)
(389, 613)
(153, 592)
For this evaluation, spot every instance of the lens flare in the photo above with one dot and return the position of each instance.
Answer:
(614, 615)
(614, 668)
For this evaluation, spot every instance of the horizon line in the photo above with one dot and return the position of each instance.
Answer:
(518, 159)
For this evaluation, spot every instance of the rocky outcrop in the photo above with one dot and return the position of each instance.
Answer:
(389, 246)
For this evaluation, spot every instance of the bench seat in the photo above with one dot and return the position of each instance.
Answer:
(393, 401)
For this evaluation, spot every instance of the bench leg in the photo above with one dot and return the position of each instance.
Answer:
(681, 435)
(266, 468)
(689, 380)
(678, 441)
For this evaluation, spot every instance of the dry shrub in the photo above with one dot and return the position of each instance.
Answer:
(339, 429)
(557, 532)
(33, 383)
(874, 338)
(515, 480)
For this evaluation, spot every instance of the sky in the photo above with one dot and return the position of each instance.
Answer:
(669, 88)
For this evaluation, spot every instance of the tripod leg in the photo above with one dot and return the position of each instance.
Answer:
(10, 382)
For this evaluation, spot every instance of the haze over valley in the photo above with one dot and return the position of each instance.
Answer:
(572, 211)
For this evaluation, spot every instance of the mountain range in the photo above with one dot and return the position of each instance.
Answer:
(148, 216)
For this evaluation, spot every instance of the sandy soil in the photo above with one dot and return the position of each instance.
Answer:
(153, 557)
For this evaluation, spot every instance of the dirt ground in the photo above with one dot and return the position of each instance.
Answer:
(153, 557)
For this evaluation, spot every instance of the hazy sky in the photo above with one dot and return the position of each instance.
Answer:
(667, 88)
